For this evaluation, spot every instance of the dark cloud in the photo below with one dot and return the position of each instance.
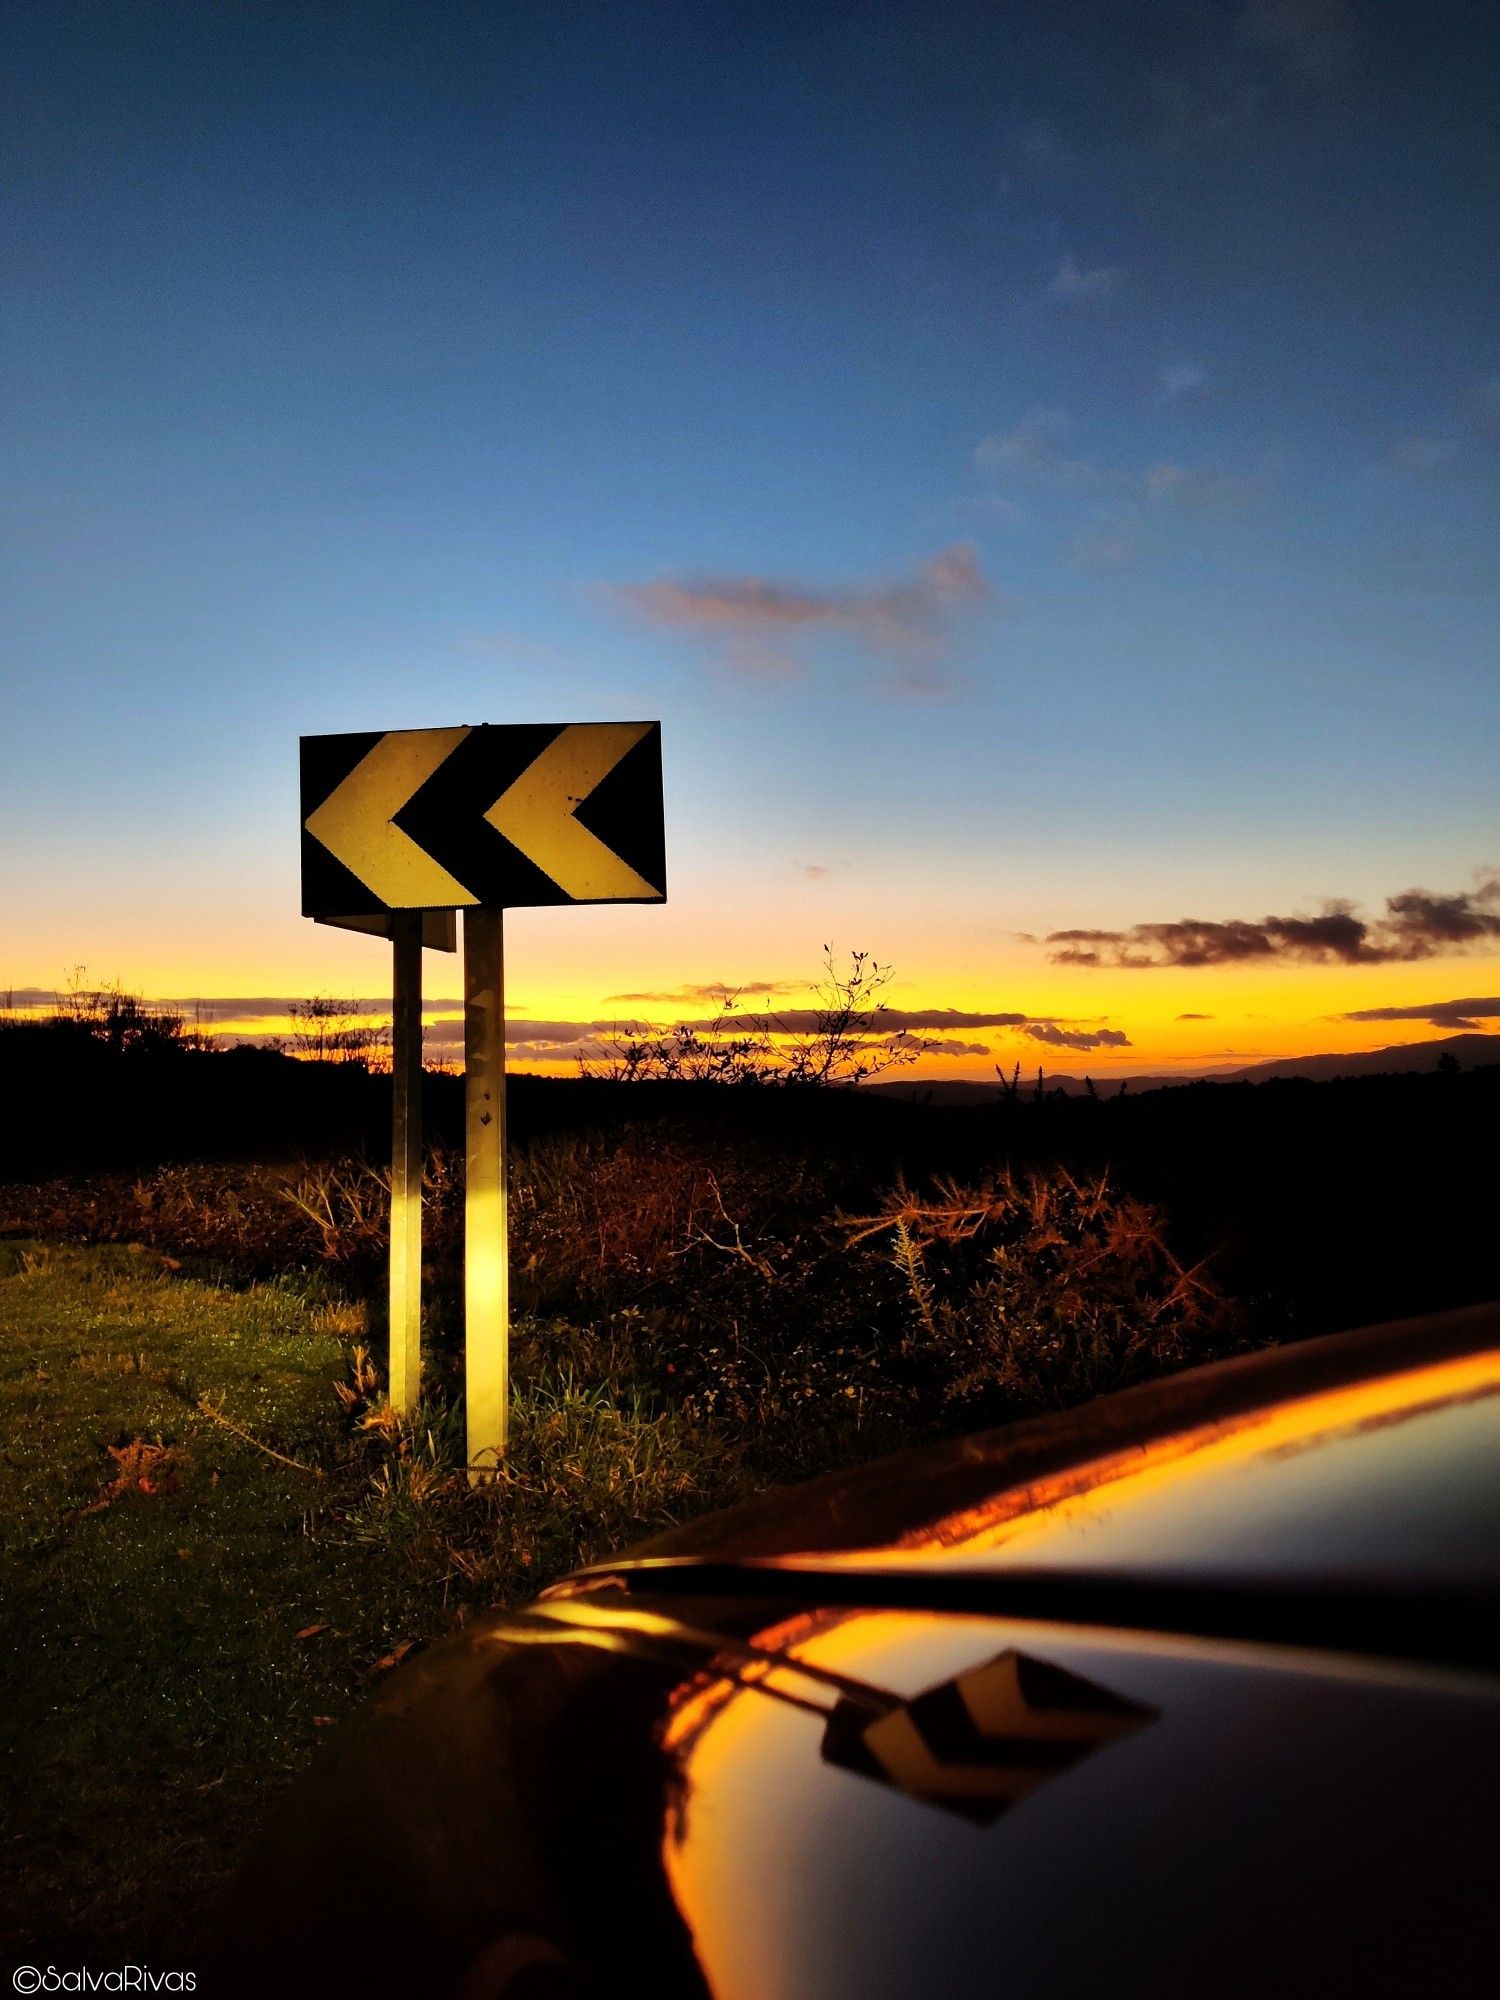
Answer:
(223, 1010)
(887, 1020)
(1075, 1038)
(585, 1049)
(929, 1045)
(249, 1007)
(1417, 924)
(944, 1031)
(562, 1038)
(1440, 1013)
(1195, 1017)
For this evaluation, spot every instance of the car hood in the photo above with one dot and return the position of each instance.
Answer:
(898, 1754)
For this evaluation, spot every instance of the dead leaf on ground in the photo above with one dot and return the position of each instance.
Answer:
(391, 1659)
(310, 1631)
(145, 1468)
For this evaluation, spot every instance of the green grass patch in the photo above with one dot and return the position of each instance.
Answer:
(183, 1613)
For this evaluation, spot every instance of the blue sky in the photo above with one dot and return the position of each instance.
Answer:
(1039, 462)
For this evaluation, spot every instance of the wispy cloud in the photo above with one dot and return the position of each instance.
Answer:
(1420, 452)
(1109, 545)
(713, 991)
(1177, 381)
(1313, 37)
(923, 680)
(1195, 1017)
(1034, 450)
(756, 621)
(1417, 924)
(1200, 488)
(999, 507)
(1439, 1013)
(499, 644)
(1071, 284)
(1233, 65)
(1039, 144)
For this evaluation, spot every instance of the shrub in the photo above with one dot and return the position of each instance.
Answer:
(840, 1040)
(1034, 1292)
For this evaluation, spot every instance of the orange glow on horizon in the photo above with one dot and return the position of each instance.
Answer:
(1177, 1022)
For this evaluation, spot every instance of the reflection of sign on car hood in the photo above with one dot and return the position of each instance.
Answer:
(976, 1743)
(981, 1741)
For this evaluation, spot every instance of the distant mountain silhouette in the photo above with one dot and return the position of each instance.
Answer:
(1469, 1051)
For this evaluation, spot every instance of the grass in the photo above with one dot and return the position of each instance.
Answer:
(184, 1613)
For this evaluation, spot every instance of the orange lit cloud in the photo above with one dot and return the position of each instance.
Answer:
(1439, 1013)
(755, 619)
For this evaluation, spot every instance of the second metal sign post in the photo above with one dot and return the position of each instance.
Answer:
(486, 1220)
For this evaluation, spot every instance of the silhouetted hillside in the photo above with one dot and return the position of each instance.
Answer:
(1468, 1051)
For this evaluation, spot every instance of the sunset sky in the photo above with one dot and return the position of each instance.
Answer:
(1038, 462)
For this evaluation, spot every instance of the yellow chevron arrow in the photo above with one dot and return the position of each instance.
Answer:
(1001, 1712)
(997, 1705)
(354, 821)
(912, 1767)
(536, 812)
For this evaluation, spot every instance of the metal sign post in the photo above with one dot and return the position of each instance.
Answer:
(406, 1162)
(402, 827)
(486, 1249)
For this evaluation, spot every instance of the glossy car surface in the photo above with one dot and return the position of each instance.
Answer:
(1191, 1691)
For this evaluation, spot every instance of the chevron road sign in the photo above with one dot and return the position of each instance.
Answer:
(493, 817)
(979, 1743)
(400, 828)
